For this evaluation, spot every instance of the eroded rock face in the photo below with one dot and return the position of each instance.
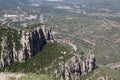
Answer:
(5, 53)
(75, 67)
(31, 41)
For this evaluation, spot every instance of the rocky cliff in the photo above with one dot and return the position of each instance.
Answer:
(75, 67)
(19, 45)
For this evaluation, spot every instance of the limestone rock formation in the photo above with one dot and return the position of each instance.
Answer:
(6, 56)
(31, 41)
(75, 67)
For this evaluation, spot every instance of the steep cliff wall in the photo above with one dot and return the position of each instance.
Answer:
(32, 41)
(75, 67)
(19, 45)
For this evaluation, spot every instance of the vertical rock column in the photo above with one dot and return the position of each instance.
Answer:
(75, 67)
(92, 63)
(22, 51)
(15, 53)
(6, 55)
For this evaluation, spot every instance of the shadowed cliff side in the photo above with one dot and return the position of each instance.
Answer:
(76, 67)
(29, 41)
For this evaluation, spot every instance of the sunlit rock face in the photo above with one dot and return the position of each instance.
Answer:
(31, 41)
(75, 67)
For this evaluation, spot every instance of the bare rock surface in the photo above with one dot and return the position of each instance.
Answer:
(32, 41)
(76, 67)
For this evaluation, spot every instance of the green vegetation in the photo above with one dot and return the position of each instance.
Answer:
(35, 77)
(82, 30)
(70, 27)
(13, 36)
(102, 71)
(102, 32)
(32, 26)
(44, 59)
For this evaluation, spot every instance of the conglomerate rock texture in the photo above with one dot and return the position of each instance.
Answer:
(75, 67)
(30, 43)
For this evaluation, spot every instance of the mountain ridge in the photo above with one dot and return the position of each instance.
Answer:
(23, 44)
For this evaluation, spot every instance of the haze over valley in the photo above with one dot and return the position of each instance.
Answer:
(59, 39)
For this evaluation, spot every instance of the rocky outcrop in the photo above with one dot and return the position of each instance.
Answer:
(6, 56)
(31, 42)
(75, 67)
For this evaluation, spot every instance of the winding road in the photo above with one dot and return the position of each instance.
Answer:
(73, 46)
(67, 42)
